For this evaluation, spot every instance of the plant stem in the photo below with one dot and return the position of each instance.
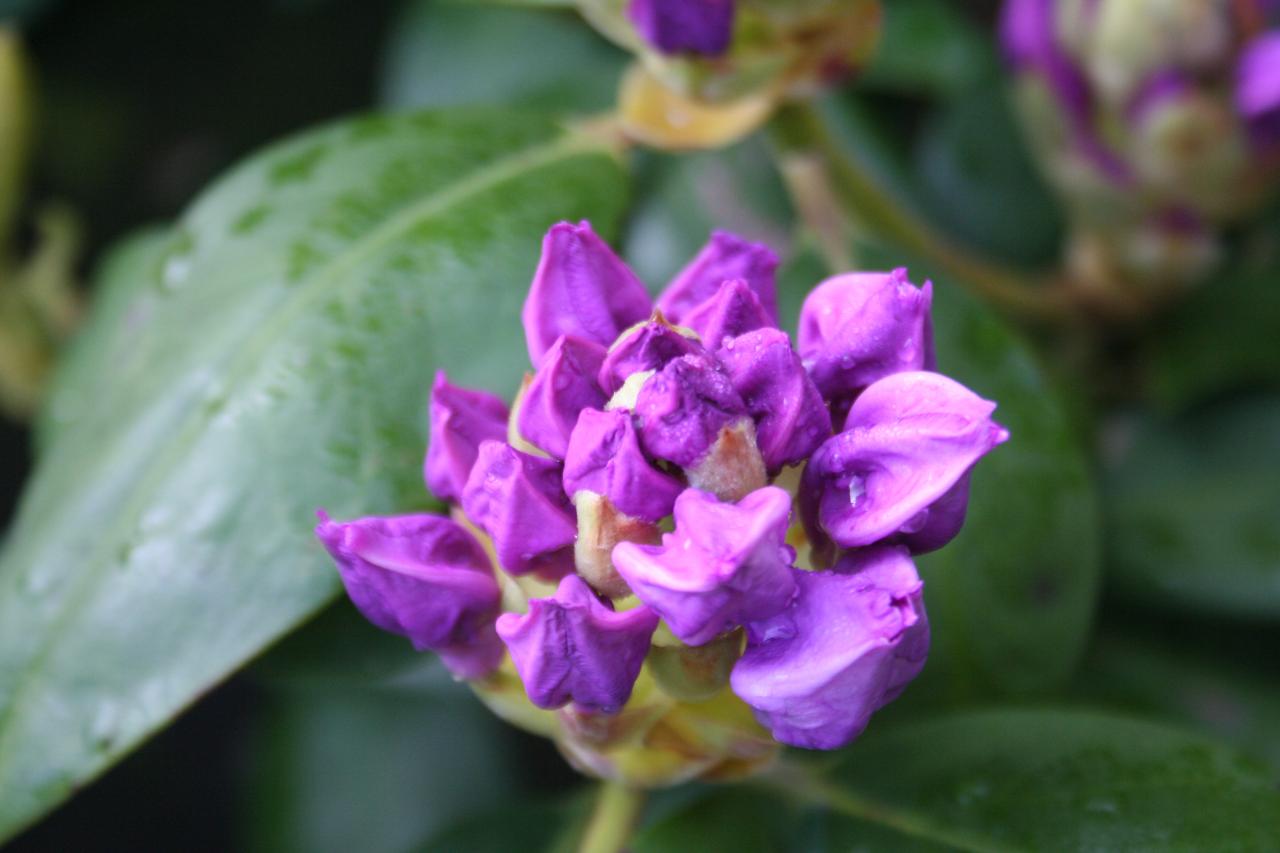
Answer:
(612, 819)
(819, 172)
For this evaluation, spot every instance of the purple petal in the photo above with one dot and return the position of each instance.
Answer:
(908, 440)
(573, 648)
(604, 457)
(733, 310)
(424, 577)
(564, 385)
(849, 644)
(726, 256)
(724, 565)
(791, 418)
(647, 346)
(859, 327)
(1258, 89)
(682, 408)
(517, 499)
(581, 288)
(684, 26)
(460, 419)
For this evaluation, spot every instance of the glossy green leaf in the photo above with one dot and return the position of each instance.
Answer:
(1221, 339)
(977, 180)
(998, 781)
(373, 767)
(929, 47)
(279, 359)
(1193, 510)
(1191, 678)
(448, 54)
(124, 284)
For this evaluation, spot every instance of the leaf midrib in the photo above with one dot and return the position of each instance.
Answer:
(324, 280)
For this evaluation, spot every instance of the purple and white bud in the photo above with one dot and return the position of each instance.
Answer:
(682, 409)
(647, 346)
(461, 419)
(573, 647)
(581, 288)
(605, 458)
(517, 499)
(564, 385)
(725, 564)
(423, 577)
(848, 645)
(725, 257)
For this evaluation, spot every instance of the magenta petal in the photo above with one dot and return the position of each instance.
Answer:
(726, 256)
(581, 288)
(460, 419)
(564, 385)
(648, 346)
(725, 564)
(908, 440)
(848, 645)
(574, 648)
(791, 418)
(604, 457)
(681, 409)
(424, 577)
(859, 327)
(733, 310)
(684, 26)
(517, 499)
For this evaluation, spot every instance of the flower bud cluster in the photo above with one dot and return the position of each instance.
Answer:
(686, 531)
(712, 70)
(1157, 120)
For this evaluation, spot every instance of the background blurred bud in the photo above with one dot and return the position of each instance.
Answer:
(1147, 115)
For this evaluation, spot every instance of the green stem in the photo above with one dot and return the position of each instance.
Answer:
(612, 819)
(805, 143)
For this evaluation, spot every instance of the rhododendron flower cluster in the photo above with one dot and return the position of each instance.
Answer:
(683, 515)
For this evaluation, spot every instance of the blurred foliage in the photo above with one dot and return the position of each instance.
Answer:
(342, 737)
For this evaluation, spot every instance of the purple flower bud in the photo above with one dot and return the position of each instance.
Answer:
(580, 288)
(564, 385)
(647, 346)
(849, 644)
(791, 418)
(1028, 33)
(733, 310)
(460, 420)
(517, 499)
(604, 457)
(859, 327)
(908, 440)
(684, 26)
(682, 408)
(574, 648)
(424, 577)
(725, 565)
(1258, 89)
(726, 256)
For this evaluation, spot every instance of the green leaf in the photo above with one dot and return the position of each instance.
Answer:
(446, 54)
(998, 781)
(280, 361)
(1193, 510)
(373, 767)
(533, 824)
(1221, 339)
(977, 180)
(929, 47)
(1189, 679)
(123, 287)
